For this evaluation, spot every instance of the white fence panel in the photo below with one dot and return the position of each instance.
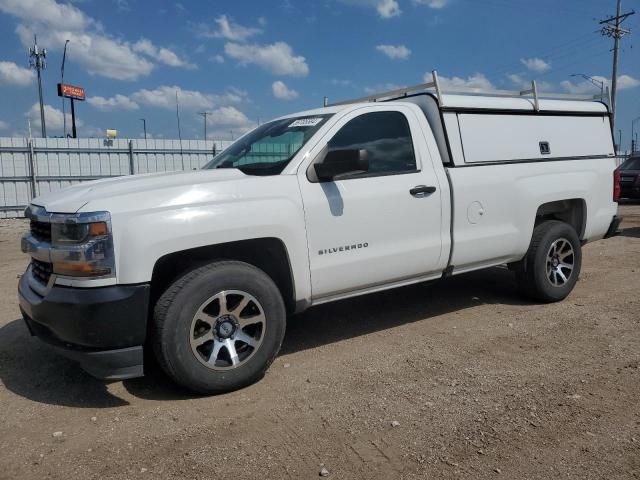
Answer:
(29, 167)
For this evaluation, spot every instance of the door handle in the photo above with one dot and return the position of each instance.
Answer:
(422, 191)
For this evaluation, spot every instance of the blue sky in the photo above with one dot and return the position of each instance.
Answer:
(248, 61)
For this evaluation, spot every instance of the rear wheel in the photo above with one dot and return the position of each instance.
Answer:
(219, 327)
(552, 265)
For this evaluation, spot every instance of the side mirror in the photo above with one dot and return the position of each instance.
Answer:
(338, 163)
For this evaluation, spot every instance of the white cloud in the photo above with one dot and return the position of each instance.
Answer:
(165, 97)
(341, 82)
(517, 80)
(435, 4)
(229, 117)
(388, 8)
(385, 8)
(230, 30)
(98, 54)
(47, 12)
(3, 125)
(626, 81)
(163, 55)
(117, 102)
(12, 74)
(277, 58)
(90, 45)
(477, 81)
(123, 6)
(235, 94)
(536, 65)
(217, 58)
(380, 88)
(282, 92)
(395, 52)
(227, 121)
(52, 117)
(586, 87)
(581, 87)
(523, 83)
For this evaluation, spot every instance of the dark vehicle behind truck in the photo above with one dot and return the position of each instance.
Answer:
(630, 178)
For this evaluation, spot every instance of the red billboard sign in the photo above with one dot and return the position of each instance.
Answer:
(70, 91)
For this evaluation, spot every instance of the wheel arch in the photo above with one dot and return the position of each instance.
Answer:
(572, 211)
(269, 254)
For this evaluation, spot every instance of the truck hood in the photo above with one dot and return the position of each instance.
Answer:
(72, 199)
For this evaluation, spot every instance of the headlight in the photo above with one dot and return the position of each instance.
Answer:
(76, 233)
(82, 245)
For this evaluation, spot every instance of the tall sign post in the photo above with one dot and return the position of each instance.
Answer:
(74, 93)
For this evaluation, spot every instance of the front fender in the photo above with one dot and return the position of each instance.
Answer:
(145, 234)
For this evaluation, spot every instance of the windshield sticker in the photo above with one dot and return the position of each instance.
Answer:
(306, 122)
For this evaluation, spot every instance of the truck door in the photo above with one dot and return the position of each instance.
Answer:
(377, 227)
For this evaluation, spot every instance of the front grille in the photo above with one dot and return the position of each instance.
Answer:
(41, 270)
(41, 231)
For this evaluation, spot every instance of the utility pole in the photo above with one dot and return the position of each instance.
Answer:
(64, 115)
(37, 60)
(634, 145)
(204, 118)
(144, 126)
(612, 28)
(178, 119)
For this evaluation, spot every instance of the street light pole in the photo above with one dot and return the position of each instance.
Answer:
(144, 126)
(619, 140)
(64, 116)
(204, 119)
(595, 81)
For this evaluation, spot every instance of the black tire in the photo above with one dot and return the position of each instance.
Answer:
(532, 272)
(175, 311)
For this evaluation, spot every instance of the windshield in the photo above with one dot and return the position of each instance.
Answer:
(631, 164)
(270, 147)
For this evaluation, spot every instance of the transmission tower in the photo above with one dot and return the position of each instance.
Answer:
(37, 60)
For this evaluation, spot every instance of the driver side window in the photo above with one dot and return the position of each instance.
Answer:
(386, 137)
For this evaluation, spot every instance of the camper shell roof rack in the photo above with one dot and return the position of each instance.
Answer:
(434, 86)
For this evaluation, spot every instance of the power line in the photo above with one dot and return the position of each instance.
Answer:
(576, 60)
(562, 53)
(501, 4)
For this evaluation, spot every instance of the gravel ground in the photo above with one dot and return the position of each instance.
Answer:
(456, 379)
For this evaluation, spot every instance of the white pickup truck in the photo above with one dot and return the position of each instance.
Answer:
(203, 267)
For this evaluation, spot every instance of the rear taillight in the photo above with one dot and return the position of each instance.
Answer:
(616, 185)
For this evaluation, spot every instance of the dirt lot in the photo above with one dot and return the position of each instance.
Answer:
(456, 379)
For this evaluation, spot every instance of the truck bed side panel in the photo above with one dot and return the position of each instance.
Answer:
(495, 205)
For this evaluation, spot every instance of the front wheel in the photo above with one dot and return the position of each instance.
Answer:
(219, 327)
(552, 265)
